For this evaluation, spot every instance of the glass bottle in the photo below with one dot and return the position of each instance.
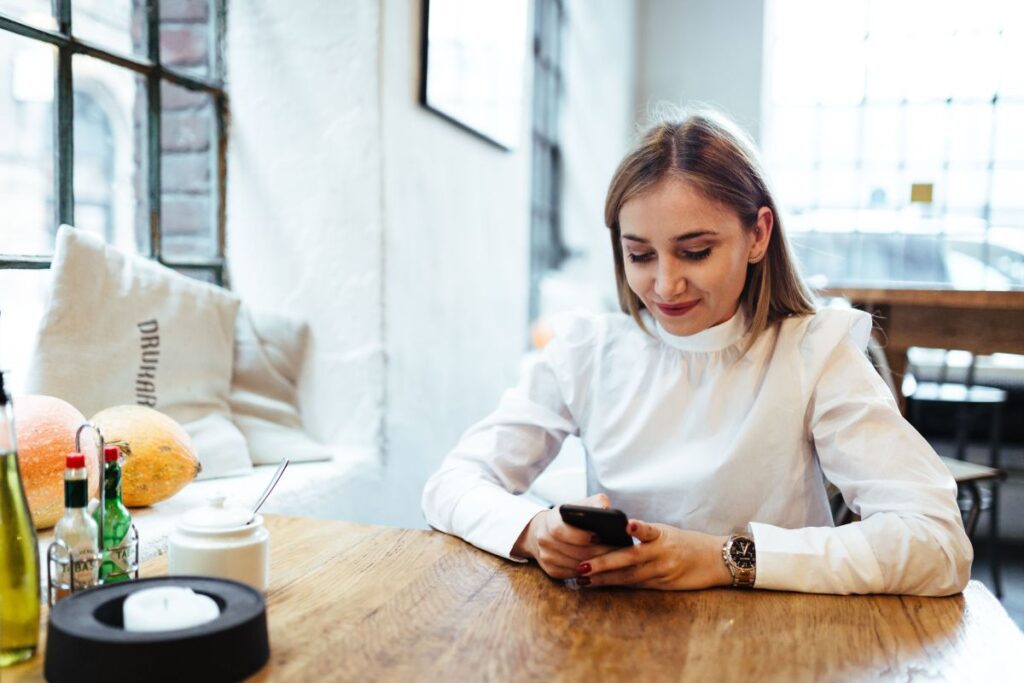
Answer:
(116, 521)
(19, 551)
(77, 531)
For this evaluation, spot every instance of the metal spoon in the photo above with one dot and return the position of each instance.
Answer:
(270, 487)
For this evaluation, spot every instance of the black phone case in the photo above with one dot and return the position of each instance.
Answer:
(610, 525)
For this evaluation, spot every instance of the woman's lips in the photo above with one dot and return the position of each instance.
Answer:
(678, 309)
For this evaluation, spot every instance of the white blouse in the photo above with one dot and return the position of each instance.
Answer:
(692, 432)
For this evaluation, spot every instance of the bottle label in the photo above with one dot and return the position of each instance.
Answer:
(77, 572)
(117, 564)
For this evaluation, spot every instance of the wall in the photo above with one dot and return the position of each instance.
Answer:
(699, 51)
(456, 217)
(339, 177)
(304, 219)
(403, 239)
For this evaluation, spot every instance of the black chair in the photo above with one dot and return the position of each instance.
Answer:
(970, 404)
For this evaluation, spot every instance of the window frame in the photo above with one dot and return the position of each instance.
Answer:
(155, 73)
(816, 163)
(548, 250)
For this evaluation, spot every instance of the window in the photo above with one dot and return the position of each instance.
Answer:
(894, 132)
(114, 115)
(547, 247)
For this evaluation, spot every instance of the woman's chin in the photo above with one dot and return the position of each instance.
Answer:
(682, 326)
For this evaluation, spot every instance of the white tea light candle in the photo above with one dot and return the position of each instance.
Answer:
(167, 609)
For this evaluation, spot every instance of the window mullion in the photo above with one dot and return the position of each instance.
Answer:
(153, 107)
(64, 146)
(220, 103)
(25, 262)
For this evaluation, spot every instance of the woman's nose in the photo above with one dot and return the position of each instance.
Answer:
(670, 280)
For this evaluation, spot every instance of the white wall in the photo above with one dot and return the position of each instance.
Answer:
(402, 238)
(456, 223)
(304, 218)
(338, 178)
(703, 51)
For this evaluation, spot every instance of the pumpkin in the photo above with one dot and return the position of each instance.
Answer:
(158, 456)
(45, 428)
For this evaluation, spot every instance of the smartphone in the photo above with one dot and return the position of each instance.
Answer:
(610, 525)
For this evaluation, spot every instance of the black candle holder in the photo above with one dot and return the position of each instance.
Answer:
(86, 639)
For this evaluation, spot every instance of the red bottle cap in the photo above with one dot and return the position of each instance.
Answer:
(75, 461)
(111, 453)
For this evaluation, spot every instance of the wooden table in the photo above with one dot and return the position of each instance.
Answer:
(980, 322)
(351, 602)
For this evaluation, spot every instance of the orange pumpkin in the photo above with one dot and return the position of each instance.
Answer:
(158, 456)
(45, 428)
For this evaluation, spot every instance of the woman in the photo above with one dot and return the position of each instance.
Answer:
(709, 410)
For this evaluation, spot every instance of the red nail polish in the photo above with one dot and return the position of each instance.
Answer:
(632, 527)
(583, 568)
(583, 581)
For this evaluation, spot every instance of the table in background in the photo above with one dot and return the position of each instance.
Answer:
(358, 602)
(980, 322)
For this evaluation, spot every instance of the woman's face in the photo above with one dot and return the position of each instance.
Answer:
(686, 256)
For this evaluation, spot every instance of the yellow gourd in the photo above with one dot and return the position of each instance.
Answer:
(158, 456)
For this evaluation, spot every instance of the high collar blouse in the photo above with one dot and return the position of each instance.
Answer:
(713, 433)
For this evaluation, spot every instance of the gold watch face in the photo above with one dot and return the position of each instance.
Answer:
(742, 553)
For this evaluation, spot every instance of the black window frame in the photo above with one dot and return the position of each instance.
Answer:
(155, 73)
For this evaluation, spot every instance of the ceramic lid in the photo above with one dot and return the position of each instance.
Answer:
(217, 515)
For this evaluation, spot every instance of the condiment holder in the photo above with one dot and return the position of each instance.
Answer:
(87, 639)
(61, 562)
(218, 540)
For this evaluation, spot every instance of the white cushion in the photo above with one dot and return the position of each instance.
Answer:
(269, 352)
(121, 329)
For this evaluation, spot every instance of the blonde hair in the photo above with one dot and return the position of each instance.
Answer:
(709, 151)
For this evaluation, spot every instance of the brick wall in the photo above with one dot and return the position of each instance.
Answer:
(188, 131)
(188, 123)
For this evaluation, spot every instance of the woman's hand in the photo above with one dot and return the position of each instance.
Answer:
(557, 547)
(666, 558)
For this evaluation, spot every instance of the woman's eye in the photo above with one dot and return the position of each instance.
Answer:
(640, 258)
(697, 255)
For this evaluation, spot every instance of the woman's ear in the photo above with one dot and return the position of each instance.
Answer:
(762, 234)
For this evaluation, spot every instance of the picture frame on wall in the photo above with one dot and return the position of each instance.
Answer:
(473, 62)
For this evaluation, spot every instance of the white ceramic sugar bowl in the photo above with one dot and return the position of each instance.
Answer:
(214, 540)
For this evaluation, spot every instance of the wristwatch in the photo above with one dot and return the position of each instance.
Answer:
(740, 557)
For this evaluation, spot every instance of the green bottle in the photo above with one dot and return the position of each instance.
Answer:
(117, 521)
(19, 551)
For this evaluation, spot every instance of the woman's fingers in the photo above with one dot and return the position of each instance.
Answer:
(598, 550)
(557, 564)
(571, 535)
(576, 552)
(625, 567)
(617, 559)
(634, 575)
(643, 531)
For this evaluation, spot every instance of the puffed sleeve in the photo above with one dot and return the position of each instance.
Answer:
(476, 494)
(911, 538)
